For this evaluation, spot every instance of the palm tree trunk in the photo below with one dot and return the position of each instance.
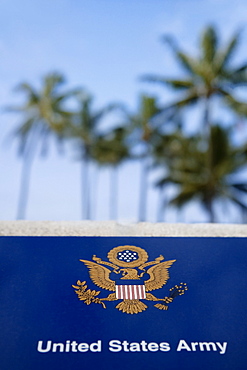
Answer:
(114, 194)
(162, 204)
(25, 185)
(210, 210)
(28, 157)
(207, 118)
(143, 190)
(244, 216)
(85, 189)
(209, 157)
(207, 134)
(94, 200)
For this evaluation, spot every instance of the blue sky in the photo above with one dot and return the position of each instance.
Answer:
(105, 46)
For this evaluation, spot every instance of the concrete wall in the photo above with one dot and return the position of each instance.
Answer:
(111, 228)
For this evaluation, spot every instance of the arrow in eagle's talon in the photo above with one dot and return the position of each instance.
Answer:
(178, 290)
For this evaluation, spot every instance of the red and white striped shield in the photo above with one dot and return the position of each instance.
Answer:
(136, 291)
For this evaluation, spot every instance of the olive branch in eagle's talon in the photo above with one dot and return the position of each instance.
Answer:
(87, 295)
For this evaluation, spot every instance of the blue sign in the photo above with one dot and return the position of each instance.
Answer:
(123, 303)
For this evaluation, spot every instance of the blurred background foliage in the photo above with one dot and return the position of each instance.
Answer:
(208, 167)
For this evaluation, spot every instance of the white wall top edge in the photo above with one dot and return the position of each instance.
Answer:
(112, 228)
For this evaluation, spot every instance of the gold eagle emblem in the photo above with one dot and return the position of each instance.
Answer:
(128, 277)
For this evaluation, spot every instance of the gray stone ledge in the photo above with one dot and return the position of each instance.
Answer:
(112, 228)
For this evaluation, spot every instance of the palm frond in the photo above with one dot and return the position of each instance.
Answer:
(185, 196)
(187, 62)
(209, 44)
(238, 106)
(240, 186)
(237, 201)
(224, 56)
(190, 99)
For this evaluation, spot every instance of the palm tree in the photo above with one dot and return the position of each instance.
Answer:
(43, 115)
(208, 75)
(84, 128)
(112, 150)
(167, 147)
(198, 179)
(144, 135)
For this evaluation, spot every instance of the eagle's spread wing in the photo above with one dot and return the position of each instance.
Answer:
(100, 275)
(158, 275)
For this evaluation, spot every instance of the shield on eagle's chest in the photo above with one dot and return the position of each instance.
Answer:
(130, 289)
